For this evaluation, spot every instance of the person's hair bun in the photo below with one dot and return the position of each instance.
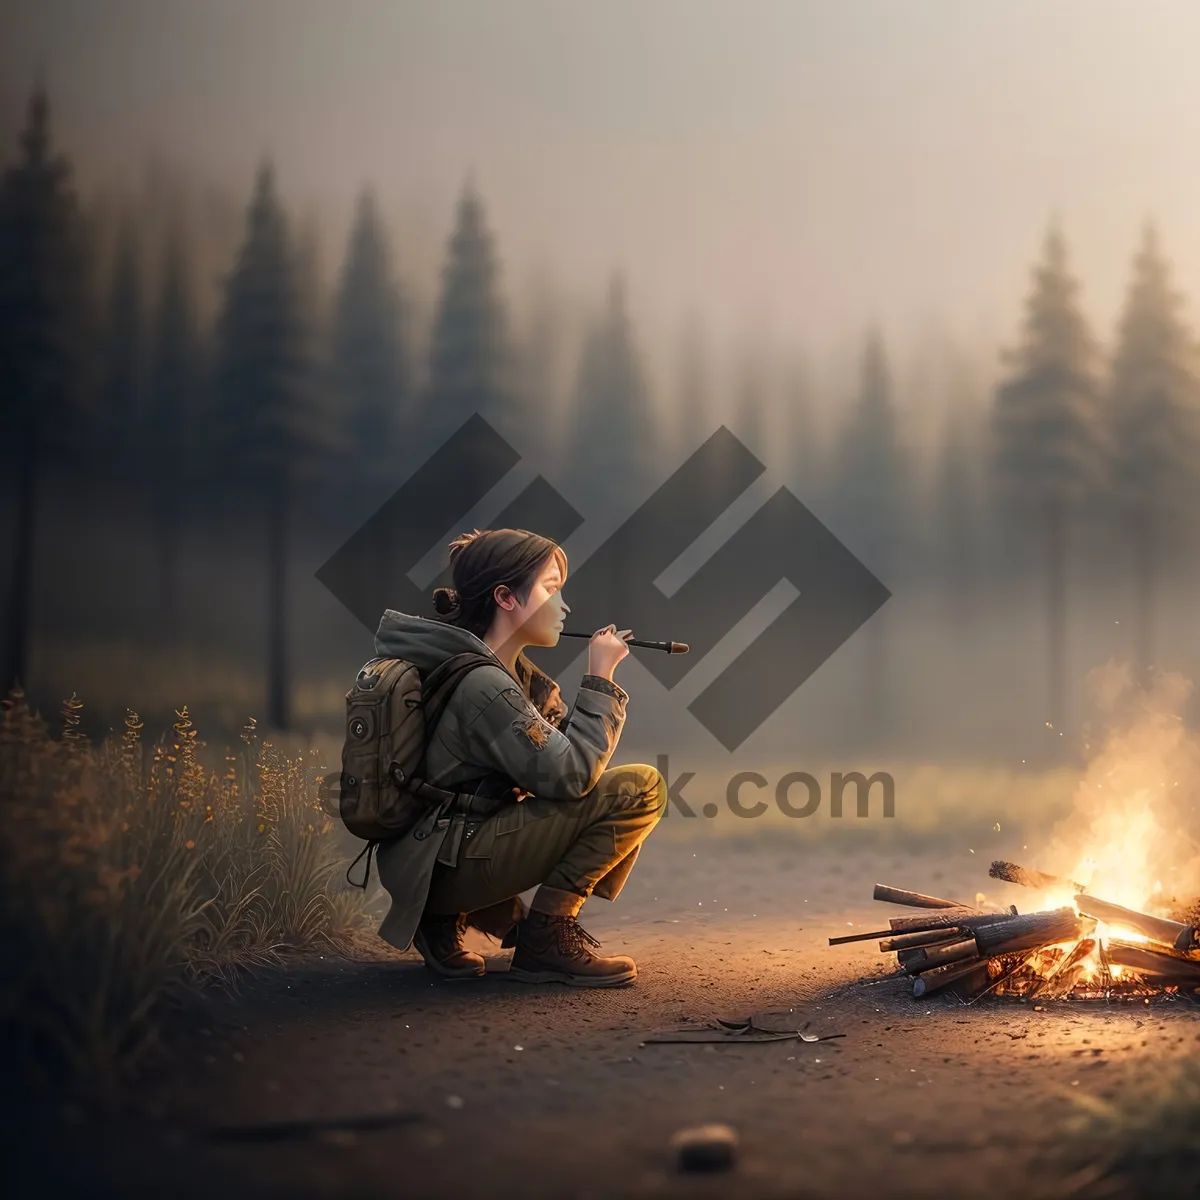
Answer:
(445, 600)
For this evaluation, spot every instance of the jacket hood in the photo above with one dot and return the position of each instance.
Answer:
(425, 642)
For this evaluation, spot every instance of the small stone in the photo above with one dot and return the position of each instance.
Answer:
(705, 1148)
(454, 1102)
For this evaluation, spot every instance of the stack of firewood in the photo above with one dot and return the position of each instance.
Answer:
(953, 945)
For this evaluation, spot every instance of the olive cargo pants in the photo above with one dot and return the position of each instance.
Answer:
(572, 847)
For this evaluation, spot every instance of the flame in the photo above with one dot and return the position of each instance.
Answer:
(1126, 838)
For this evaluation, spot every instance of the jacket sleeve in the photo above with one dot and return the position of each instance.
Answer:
(506, 733)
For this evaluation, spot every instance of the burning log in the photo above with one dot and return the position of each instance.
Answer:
(1028, 932)
(859, 937)
(1063, 977)
(1005, 976)
(939, 977)
(1157, 929)
(914, 899)
(974, 981)
(1154, 962)
(1027, 877)
(916, 962)
(943, 919)
(967, 918)
(923, 937)
(1049, 953)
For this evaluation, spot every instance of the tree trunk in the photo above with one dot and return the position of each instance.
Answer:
(168, 529)
(1145, 582)
(16, 659)
(876, 699)
(1056, 612)
(278, 697)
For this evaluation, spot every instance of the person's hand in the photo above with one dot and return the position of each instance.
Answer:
(606, 648)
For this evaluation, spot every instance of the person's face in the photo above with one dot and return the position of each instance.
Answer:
(541, 617)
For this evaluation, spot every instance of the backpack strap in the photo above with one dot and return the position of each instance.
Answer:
(368, 850)
(436, 692)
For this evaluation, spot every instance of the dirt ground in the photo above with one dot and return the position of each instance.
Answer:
(494, 1088)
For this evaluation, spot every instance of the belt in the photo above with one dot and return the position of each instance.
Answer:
(469, 812)
(462, 829)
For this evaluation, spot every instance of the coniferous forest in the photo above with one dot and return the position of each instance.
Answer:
(201, 402)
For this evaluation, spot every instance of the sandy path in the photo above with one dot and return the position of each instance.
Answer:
(919, 1098)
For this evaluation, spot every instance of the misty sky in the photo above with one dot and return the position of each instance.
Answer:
(795, 167)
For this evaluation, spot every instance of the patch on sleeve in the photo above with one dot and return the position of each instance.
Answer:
(533, 730)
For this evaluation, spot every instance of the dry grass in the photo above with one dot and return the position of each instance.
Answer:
(130, 873)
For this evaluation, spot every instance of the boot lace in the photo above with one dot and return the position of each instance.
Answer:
(573, 939)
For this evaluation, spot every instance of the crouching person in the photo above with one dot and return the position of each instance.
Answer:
(546, 810)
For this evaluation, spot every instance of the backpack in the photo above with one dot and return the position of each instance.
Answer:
(391, 714)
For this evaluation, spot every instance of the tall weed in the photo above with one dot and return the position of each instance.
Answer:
(127, 877)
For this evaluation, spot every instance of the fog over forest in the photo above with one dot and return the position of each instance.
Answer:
(935, 264)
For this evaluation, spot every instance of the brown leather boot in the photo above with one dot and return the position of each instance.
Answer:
(439, 940)
(555, 949)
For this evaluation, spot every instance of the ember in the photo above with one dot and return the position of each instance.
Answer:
(1088, 949)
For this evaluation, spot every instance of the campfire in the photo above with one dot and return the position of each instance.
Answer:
(1075, 946)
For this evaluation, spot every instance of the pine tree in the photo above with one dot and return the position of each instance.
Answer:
(613, 435)
(1048, 437)
(43, 264)
(872, 479)
(800, 434)
(122, 387)
(750, 418)
(471, 361)
(273, 424)
(694, 423)
(955, 521)
(173, 397)
(542, 358)
(370, 368)
(325, 472)
(871, 502)
(1154, 410)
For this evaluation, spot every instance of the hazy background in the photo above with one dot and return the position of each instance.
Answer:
(786, 169)
(823, 221)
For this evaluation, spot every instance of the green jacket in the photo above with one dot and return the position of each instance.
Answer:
(514, 730)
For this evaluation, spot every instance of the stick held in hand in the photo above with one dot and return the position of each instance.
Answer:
(667, 647)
